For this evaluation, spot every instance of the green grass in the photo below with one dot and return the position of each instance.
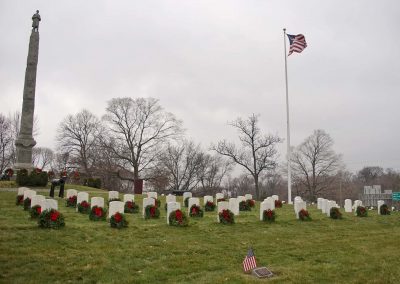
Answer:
(351, 250)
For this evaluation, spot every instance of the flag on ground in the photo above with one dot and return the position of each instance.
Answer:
(249, 261)
(297, 43)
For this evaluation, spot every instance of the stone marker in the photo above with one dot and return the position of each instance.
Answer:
(146, 202)
(29, 194)
(186, 194)
(275, 197)
(330, 204)
(50, 204)
(193, 201)
(299, 205)
(222, 205)
(218, 196)
(234, 206)
(323, 205)
(71, 192)
(319, 202)
(271, 202)
(82, 196)
(37, 200)
(248, 196)
(114, 207)
(113, 195)
(267, 204)
(380, 203)
(240, 198)
(348, 206)
(152, 194)
(129, 197)
(356, 204)
(172, 206)
(21, 190)
(170, 198)
(207, 198)
(97, 201)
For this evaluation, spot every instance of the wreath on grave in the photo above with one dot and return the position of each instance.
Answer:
(186, 201)
(221, 199)
(251, 203)
(113, 199)
(118, 221)
(384, 210)
(226, 217)
(27, 204)
(278, 204)
(51, 219)
(304, 215)
(195, 211)
(269, 215)
(335, 213)
(84, 207)
(151, 212)
(244, 206)
(71, 201)
(178, 218)
(19, 200)
(131, 207)
(35, 211)
(361, 211)
(210, 206)
(97, 213)
(157, 202)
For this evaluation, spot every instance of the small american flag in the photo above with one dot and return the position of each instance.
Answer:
(297, 43)
(249, 261)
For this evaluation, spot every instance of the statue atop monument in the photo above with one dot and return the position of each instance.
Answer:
(35, 21)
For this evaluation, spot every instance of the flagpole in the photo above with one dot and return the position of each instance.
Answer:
(287, 125)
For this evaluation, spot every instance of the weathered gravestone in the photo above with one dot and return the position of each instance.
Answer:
(71, 192)
(37, 200)
(267, 204)
(299, 205)
(50, 204)
(29, 194)
(114, 207)
(275, 197)
(146, 202)
(193, 201)
(207, 198)
(186, 194)
(380, 203)
(172, 206)
(222, 205)
(348, 206)
(113, 195)
(97, 201)
(82, 196)
(234, 205)
(129, 197)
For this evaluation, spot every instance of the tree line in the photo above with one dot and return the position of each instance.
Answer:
(137, 139)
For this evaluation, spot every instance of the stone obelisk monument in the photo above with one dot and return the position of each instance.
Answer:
(25, 141)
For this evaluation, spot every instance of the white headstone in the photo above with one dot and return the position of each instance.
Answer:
(116, 206)
(380, 203)
(170, 198)
(234, 206)
(37, 200)
(71, 192)
(29, 194)
(113, 195)
(222, 205)
(21, 190)
(152, 194)
(267, 204)
(331, 204)
(82, 196)
(186, 195)
(299, 205)
(248, 196)
(323, 205)
(347, 206)
(319, 202)
(146, 202)
(97, 201)
(193, 201)
(207, 198)
(241, 198)
(356, 204)
(50, 204)
(129, 197)
(172, 206)
(275, 197)
(218, 196)
(297, 198)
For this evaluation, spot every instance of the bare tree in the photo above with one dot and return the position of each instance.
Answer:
(6, 143)
(42, 157)
(137, 129)
(315, 164)
(370, 175)
(61, 162)
(78, 134)
(257, 152)
(183, 163)
(213, 171)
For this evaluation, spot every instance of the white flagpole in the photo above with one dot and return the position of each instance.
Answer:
(287, 125)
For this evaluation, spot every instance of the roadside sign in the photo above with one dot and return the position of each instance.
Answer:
(396, 196)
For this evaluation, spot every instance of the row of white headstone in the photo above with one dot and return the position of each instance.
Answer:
(326, 205)
(36, 199)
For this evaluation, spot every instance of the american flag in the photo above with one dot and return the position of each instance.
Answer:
(297, 43)
(249, 261)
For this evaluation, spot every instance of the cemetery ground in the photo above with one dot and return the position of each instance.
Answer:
(351, 250)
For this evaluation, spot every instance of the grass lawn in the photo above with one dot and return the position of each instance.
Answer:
(351, 250)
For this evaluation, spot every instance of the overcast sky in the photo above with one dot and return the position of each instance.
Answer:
(209, 62)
